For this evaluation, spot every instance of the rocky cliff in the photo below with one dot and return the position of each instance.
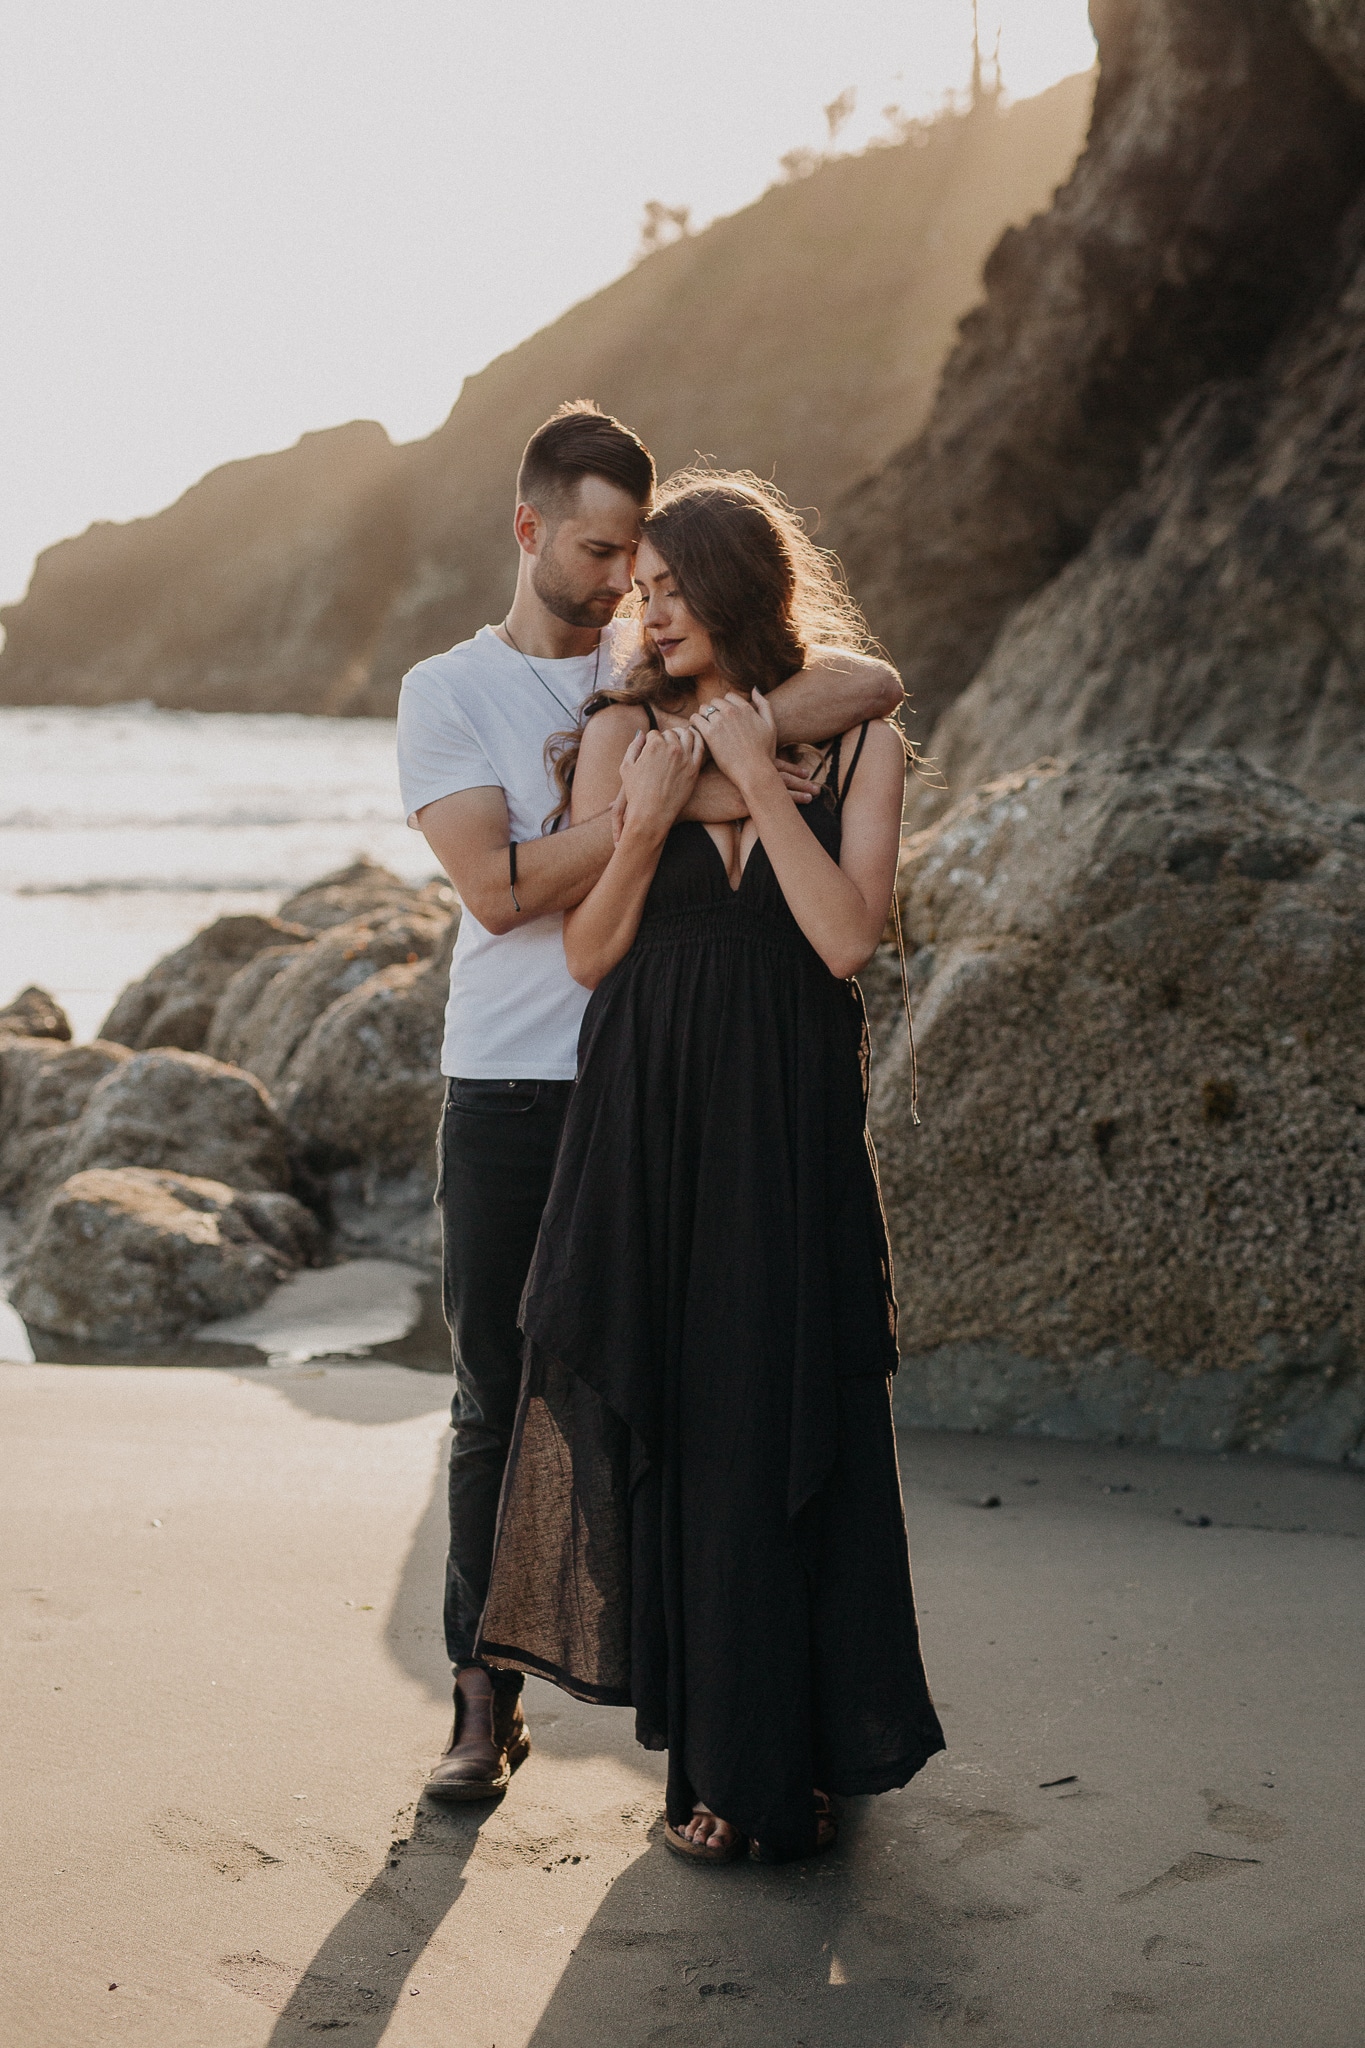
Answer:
(1135, 511)
(263, 589)
(802, 336)
(1221, 601)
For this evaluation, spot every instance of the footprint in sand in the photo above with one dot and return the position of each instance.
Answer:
(1171, 1950)
(1196, 1868)
(1248, 1823)
(232, 1856)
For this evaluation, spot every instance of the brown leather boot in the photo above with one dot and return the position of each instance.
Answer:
(487, 1742)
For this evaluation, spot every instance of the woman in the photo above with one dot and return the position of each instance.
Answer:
(702, 1513)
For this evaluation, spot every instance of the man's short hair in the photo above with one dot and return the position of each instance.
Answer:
(576, 441)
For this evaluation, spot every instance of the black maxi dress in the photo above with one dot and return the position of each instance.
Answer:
(702, 1514)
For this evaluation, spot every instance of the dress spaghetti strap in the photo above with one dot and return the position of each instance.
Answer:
(852, 766)
(842, 792)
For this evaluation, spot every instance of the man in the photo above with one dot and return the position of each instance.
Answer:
(472, 730)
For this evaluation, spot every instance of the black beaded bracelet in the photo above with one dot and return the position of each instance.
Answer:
(512, 873)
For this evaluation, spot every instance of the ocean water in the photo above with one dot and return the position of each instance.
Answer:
(124, 830)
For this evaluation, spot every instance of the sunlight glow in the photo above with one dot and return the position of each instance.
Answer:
(221, 227)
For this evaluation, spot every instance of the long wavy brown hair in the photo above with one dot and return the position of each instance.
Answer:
(748, 572)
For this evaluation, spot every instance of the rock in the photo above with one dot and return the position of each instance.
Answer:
(267, 1012)
(35, 1014)
(186, 1113)
(1336, 28)
(309, 580)
(362, 1098)
(363, 889)
(1135, 1203)
(283, 1222)
(135, 1257)
(175, 1003)
(44, 1087)
(364, 1088)
(230, 1035)
(1222, 155)
(338, 1007)
(1222, 601)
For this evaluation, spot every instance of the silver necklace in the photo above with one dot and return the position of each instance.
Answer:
(597, 663)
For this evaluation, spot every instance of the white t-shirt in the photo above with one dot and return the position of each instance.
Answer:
(478, 718)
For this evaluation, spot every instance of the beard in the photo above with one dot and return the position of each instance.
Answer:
(575, 607)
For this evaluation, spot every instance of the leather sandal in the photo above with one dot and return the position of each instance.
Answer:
(700, 1852)
(487, 1743)
(826, 1835)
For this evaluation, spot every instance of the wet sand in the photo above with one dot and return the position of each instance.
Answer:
(224, 1677)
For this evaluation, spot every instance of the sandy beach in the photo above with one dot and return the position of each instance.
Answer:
(224, 1678)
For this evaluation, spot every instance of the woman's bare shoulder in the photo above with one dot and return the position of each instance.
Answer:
(880, 773)
(884, 740)
(878, 744)
(602, 749)
(612, 729)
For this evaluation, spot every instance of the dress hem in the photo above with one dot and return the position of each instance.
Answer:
(890, 1778)
(504, 1658)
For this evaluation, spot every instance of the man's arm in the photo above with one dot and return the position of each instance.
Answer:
(469, 835)
(835, 691)
(716, 801)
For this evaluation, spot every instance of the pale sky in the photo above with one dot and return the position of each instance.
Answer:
(224, 222)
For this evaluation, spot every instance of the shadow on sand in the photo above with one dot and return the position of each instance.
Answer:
(803, 1957)
(358, 1975)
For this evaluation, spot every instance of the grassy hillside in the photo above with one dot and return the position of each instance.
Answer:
(802, 336)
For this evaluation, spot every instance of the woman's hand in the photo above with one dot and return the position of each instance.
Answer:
(658, 775)
(741, 735)
(643, 780)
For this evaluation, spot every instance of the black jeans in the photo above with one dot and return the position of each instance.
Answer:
(497, 1153)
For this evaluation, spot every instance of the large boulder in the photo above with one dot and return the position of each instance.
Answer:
(177, 1003)
(1337, 29)
(35, 1014)
(136, 1257)
(44, 1087)
(174, 1003)
(267, 1012)
(1135, 1204)
(362, 1099)
(98, 1143)
(186, 1113)
(365, 1087)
